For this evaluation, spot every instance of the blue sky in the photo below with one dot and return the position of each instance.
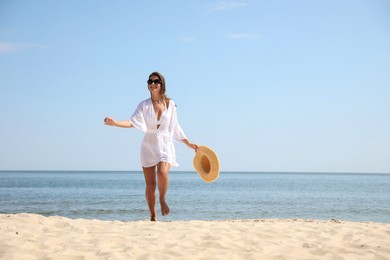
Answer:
(269, 85)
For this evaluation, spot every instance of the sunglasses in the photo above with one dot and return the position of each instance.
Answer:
(155, 82)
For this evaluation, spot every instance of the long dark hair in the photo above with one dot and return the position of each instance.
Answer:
(163, 88)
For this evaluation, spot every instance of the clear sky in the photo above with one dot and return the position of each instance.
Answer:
(280, 85)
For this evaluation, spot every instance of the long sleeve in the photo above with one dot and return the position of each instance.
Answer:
(138, 119)
(177, 132)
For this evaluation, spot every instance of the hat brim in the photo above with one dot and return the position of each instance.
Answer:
(206, 163)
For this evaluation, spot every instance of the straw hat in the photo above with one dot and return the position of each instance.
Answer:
(206, 163)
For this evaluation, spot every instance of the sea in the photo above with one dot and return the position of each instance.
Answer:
(112, 195)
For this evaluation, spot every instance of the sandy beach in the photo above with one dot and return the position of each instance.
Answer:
(30, 236)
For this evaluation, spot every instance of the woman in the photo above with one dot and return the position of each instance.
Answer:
(156, 116)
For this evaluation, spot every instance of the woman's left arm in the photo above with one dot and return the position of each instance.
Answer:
(190, 145)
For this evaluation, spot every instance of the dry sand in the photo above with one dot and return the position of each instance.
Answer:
(29, 236)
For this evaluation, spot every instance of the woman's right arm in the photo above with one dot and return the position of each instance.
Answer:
(112, 122)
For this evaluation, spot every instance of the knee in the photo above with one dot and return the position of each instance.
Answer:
(151, 186)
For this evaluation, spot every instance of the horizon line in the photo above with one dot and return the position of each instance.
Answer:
(193, 171)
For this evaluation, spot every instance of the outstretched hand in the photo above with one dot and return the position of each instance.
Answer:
(109, 121)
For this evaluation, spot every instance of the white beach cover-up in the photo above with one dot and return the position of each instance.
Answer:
(157, 145)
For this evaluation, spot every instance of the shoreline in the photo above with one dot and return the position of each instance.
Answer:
(31, 236)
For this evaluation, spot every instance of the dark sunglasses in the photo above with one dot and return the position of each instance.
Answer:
(155, 82)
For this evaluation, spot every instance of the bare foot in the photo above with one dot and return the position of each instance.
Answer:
(164, 208)
(153, 218)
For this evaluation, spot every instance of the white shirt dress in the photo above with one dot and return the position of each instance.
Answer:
(157, 145)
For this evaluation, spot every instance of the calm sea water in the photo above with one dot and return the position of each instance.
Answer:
(238, 195)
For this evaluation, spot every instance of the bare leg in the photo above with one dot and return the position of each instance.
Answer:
(163, 182)
(150, 191)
